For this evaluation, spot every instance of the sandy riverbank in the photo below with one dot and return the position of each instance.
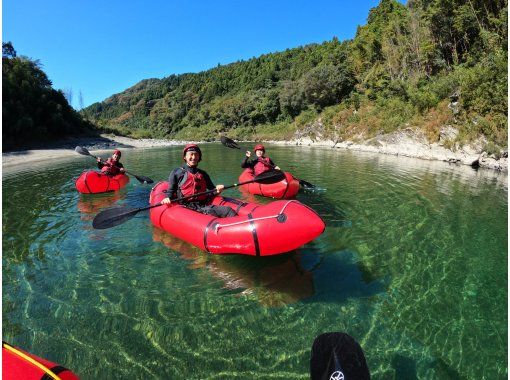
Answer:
(65, 148)
(400, 144)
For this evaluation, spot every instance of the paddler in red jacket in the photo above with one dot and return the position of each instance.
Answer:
(112, 166)
(261, 163)
(189, 179)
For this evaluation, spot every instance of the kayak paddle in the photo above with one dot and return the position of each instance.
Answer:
(114, 216)
(140, 178)
(336, 355)
(229, 143)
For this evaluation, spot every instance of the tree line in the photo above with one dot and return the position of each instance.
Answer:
(404, 68)
(32, 111)
(400, 70)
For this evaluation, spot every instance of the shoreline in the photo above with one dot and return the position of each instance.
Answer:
(65, 149)
(402, 144)
(408, 143)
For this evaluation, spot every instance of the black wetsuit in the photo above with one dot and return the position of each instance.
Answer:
(251, 164)
(177, 175)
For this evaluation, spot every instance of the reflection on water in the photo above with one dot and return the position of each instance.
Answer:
(90, 205)
(275, 281)
(413, 265)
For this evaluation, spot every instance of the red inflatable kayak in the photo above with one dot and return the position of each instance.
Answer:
(258, 230)
(18, 364)
(93, 182)
(286, 188)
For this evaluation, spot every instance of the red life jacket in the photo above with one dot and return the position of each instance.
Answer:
(263, 165)
(193, 184)
(110, 167)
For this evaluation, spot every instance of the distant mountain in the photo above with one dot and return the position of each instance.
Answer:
(424, 65)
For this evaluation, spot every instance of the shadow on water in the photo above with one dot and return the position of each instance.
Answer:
(274, 281)
(279, 280)
(91, 204)
(405, 368)
(340, 277)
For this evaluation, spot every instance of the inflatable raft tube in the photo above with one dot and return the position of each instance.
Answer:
(93, 182)
(18, 364)
(258, 230)
(286, 188)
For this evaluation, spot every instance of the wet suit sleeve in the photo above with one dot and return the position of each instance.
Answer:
(248, 164)
(173, 181)
(100, 164)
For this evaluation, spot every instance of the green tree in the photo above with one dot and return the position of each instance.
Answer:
(32, 111)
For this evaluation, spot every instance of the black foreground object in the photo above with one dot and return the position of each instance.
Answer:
(337, 356)
(85, 152)
(229, 143)
(114, 216)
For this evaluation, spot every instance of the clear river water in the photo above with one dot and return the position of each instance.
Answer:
(413, 265)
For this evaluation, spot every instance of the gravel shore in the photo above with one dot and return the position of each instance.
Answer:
(403, 143)
(65, 148)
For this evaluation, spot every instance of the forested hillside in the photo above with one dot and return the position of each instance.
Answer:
(404, 68)
(32, 111)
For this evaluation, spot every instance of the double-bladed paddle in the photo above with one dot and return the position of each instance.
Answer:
(229, 143)
(114, 216)
(140, 178)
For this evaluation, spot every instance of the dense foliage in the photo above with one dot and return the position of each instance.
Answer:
(32, 111)
(402, 69)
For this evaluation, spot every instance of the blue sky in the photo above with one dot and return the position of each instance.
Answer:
(103, 47)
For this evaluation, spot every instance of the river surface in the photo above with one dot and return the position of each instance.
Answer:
(413, 265)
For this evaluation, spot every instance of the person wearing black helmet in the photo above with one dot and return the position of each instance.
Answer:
(189, 179)
(260, 163)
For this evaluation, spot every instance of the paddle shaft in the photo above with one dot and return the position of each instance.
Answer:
(302, 182)
(197, 194)
(139, 178)
(100, 160)
(229, 143)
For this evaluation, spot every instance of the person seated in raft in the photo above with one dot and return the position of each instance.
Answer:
(112, 166)
(189, 179)
(261, 163)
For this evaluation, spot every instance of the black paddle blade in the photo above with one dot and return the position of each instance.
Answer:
(307, 184)
(229, 142)
(142, 179)
(82, 150)
(271, 176)
(113, 216)
(337, 355)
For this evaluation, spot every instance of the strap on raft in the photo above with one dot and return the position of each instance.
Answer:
(32, 361)
(218, 226)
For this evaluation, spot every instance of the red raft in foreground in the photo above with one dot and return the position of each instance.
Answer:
(18, 364)
(92, 182)
(286, 188)
(258, 230)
